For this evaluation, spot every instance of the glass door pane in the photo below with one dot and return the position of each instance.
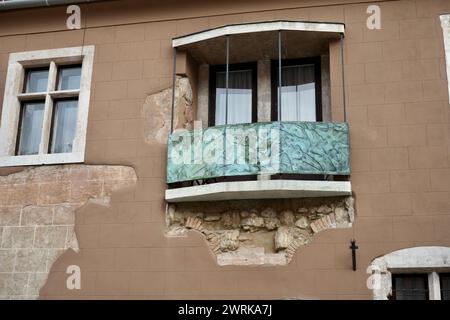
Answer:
(298, 93)
(239, 97)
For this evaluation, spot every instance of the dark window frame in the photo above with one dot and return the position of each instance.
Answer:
(212, 88)
(424, 276)
(316, 61)
(446, 275)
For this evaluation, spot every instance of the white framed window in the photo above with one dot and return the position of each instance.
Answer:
(420, 273)
(445, 22)
(46, 106)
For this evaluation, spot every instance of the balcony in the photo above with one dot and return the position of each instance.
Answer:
(259, 161)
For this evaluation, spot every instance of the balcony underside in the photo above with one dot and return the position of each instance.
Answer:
(261, 189)
(253, 41)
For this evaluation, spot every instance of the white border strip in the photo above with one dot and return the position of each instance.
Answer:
(445, 22)
(259, 27)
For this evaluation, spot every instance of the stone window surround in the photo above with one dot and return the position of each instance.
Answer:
(11, 104)
(429, 260)
(445, 23)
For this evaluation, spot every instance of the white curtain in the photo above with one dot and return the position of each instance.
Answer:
(31, 128)
(239, 97)
(298, 93)
(64, 127)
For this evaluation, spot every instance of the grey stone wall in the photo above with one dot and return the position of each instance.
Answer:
(37, 219)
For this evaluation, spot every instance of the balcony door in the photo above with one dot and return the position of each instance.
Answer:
(239, 104)
(300, 90)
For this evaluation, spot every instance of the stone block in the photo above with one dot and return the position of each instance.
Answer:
(271, 223)
(16, 284)
(287, 217)
(302, 223)
(3, 277)
(35, 283)
(64, 214)
(212, 217)
(7, 258)
(268, 213)
(54, 192)
(23, 194)
(83, 190)
(283, 238)
(17, 237)
(229, 240)
(31, 260)
(79, 173)
(37, 215)
(252, 223)
(231, 219)
(51, 237)
(9, 216)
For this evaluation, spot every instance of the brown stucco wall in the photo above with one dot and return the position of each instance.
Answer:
(398, 111)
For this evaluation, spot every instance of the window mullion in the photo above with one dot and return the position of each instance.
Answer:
(47, 122)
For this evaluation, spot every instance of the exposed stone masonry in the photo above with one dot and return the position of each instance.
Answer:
(37, 218)
(157, 111)
(259, 232)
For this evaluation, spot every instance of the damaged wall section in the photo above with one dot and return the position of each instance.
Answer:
(157, 111)
(259, 232)
(37, 218)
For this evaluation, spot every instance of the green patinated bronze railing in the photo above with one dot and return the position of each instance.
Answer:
(249, 149)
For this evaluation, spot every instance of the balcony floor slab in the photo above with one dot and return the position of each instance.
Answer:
(260, 189)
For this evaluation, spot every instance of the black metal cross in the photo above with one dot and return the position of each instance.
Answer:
(353, 247)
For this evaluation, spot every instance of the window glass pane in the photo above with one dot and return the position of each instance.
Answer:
(64, 126)
(445, 286)
(69, 78)
(410, 287)
(31, 128)
(36, 81)
(298, 93)
(239, 97)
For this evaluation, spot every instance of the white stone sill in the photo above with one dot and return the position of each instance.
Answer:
(261, 189)
(40, 159)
